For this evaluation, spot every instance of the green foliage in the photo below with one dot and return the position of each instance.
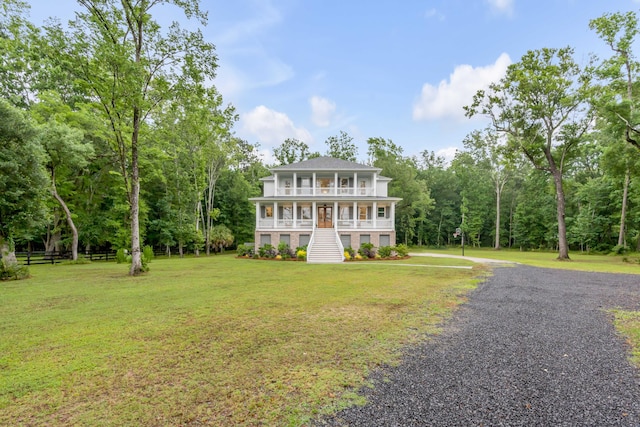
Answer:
(221, 237)
(402, 250)
(245, 250)
(121, 255)
(619, 250)
(367, 250)
(147, 252)
(342, 147)
(285, 251)
(267, 251)
(301, 254)
(13, 271)
(23, 181)
(384, 251)
(291, 151)
(349, 250)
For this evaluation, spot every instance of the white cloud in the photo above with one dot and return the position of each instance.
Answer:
(321, 111)
(447, 99)
(433, 13)
(271, 127)
(447, 153)
(501, 6)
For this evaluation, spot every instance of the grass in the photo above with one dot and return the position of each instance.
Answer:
(547, 259)
(210, 340)
(628, 324)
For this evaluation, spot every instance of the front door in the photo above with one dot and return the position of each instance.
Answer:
(325, 217)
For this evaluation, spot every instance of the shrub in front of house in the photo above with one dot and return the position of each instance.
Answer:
(350, 251)
(301, 254)
(347, 255)
(367, 250)
(245, 251)
(267, 251)
(285, 251)
(385, 251)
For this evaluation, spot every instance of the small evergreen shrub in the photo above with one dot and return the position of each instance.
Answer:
(245, 251)
(11, 271)
(619, 250)
(147, 253)
(285, 251)
(402, 250)
(121, 255)
(301, 254)
(367, 250)
(384, 251)
(267, 251)
(350, 251)
(347, 255)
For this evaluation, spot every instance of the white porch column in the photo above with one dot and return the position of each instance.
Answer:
(295, 214)
(393, 215)
(374, 214)
(314, 212)
(335, 183)
(355, 215)
(335, 217)
(295, 184)
(374, 183)
(275, 214)
(355, 183)
(313, 188)
(257, 215)
(275, 183)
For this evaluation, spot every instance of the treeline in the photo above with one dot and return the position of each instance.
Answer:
(113, 135)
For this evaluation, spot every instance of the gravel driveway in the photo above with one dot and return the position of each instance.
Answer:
(532, 347)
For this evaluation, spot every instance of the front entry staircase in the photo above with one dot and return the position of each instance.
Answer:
(324, 248)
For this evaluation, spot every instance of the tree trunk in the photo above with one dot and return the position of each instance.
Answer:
(136, 259)
(439, 228)
(563, 247)
(623, 213)
(72, 226)
(7, 252)
(498, 194)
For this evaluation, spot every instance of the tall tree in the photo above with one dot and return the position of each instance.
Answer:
(619, 101)
(412, 210)
(23, 180)
(541, 104)
(342, 147)
(66, 152)
(291, 151)
(131, 66)
(444, 188)
(486, 148)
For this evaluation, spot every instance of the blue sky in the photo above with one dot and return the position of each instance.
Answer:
(399, 69)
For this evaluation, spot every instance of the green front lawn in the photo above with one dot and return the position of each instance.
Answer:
(211, 340)
(579, 261)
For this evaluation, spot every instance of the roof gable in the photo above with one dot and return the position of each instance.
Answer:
(325, 163)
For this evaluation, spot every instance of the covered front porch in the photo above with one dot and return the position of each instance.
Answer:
(309, 215)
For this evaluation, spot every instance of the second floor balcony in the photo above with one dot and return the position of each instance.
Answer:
(326, 192)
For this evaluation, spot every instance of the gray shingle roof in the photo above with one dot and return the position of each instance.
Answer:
(325, 163)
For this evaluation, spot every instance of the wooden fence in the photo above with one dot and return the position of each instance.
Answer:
(49, 257)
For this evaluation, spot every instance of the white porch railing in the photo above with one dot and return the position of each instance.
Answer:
(307, 224)
(326, 191)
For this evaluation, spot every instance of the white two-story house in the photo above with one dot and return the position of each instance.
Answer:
(327, 204)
